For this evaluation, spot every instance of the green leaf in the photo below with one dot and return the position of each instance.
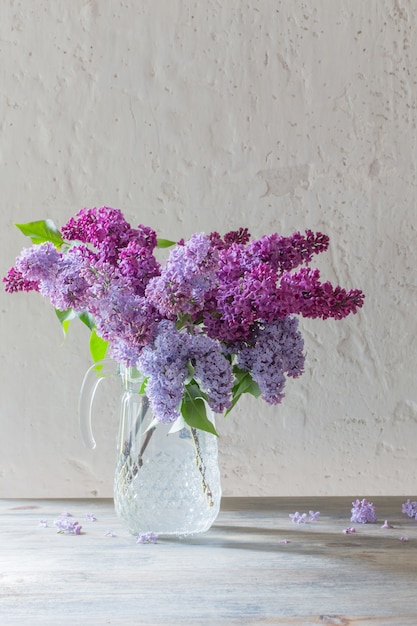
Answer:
(98, 347)
(65, 318)
(41, 231)
(193, 409)
(244, 384)
(142, 389)
(87, 319)
(164, 243)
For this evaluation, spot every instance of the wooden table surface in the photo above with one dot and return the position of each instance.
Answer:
(254, 566)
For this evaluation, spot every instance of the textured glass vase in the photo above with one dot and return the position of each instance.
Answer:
(167, 478)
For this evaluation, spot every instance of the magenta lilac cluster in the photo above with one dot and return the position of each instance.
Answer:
(217, 306)
(363, 512)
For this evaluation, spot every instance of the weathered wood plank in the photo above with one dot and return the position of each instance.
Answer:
(253, 567)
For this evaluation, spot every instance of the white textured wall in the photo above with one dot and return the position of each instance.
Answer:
(191, 116)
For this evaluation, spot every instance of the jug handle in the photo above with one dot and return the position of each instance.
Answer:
(93, 377)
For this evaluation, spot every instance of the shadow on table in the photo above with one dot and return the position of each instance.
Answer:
(381, 552)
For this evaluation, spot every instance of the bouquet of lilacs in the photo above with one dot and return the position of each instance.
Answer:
(216, 320)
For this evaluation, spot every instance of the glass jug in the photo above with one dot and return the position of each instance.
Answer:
(167, 478)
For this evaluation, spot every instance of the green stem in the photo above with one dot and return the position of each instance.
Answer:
(201, 467)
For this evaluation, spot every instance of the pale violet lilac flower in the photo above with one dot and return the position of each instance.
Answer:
(58, 276)
(363, 512)
(405, 539)
(186, 278)
(164, 362)
(44, 523)
(349, 530)
(212, 370)
(110, 533)
(90, 517)
(314, 516)
(39, 262)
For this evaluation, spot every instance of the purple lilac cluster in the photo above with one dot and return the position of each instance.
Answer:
(363, 512)
(277, 351)
(217, 304)
(410, 508)
(188, 275)
(164, 362)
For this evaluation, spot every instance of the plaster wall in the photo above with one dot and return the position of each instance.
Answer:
(199, 116)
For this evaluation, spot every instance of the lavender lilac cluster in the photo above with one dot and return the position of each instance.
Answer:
(363, 512)
(410, 508)
(66, 524)
(217, 306)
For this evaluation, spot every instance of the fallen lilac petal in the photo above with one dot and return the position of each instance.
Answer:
(403, 538)
(386, 524)
(285, 541)
(314, 516)
(147, 538)
(349, 530)
(66, 514)
(298, 518)
(90, 517)
(110, 533)
(44, 523)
